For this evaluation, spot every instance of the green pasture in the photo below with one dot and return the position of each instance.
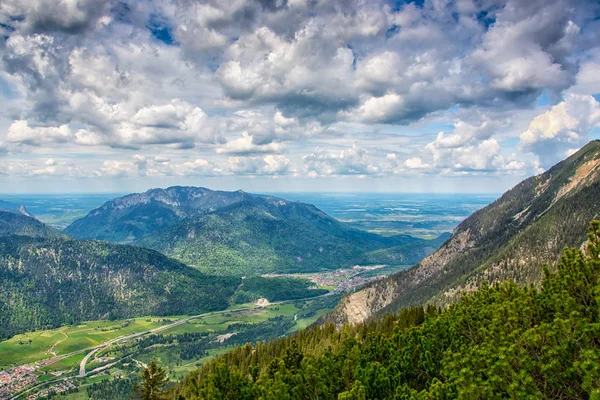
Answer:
(68, 339)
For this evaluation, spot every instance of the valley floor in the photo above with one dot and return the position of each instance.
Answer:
(36, 364)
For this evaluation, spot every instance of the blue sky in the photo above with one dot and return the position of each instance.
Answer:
(293, 95)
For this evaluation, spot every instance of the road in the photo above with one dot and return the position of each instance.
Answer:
(109, 343)
(95, 349)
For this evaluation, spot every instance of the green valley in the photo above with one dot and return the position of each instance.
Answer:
(179, 342)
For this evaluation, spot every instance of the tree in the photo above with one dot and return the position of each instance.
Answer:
(153, 381)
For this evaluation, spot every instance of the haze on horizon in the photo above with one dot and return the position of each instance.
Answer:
(293, 95)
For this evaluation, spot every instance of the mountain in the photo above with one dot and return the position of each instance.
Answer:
(15, 223)
(48, 280)
(241, 233)
(130, 218)
(509, 239)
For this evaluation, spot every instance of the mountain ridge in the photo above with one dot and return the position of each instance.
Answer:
(241, 233)
(509, 239)
(16, 223)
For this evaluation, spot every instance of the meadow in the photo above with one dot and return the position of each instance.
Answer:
(44, 345)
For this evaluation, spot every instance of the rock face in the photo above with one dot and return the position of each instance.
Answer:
(509, 239)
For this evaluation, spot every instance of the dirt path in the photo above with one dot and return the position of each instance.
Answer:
(51, 349)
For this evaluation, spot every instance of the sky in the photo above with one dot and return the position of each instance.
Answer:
(293, 95)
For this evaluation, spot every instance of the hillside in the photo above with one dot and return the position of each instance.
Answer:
(47, 282)
(14, 223)
(498, 342)
(509, 239)
(242, 233)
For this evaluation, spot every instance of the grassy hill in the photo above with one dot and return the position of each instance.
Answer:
(509, 239)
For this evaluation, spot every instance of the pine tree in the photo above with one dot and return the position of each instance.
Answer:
(152, 383)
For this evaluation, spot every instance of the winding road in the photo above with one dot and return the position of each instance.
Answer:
(95, 349)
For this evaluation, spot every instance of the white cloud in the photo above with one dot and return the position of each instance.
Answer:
(350, 161)
(465, 132)
(246, 88)
(21, 132)
(272, 165)
(565, 126)
(246, 145)
(416, 163)
(526, 49)
(46, 168)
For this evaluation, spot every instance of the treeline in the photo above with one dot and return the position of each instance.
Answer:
(503, 341)
(275, 289)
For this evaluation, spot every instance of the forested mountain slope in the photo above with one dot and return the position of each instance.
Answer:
(50, 281)
(242, 233)
(262, 235)
(499, 342)
(130, 218)
(509, 239)
(14, 223)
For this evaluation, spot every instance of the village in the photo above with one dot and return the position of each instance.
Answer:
(340, 280)
(13, 380)
(62, 387)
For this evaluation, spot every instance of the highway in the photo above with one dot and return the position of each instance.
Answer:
(109, 343)
(95, 349)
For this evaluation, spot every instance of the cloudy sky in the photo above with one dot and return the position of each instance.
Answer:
(282, 95)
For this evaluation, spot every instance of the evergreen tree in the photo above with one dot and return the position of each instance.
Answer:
(152, 384)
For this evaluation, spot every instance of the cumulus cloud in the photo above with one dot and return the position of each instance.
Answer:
(21, 132)
(351, 161)
(564, 127)
(246, 87)
(465, 132)
(70, 17)
(46, 168)
(470, 148)
(245, 145)
(527, 50)
(272, 165)
(416, 163)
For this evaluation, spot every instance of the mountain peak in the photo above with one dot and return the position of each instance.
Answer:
(240, 232)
